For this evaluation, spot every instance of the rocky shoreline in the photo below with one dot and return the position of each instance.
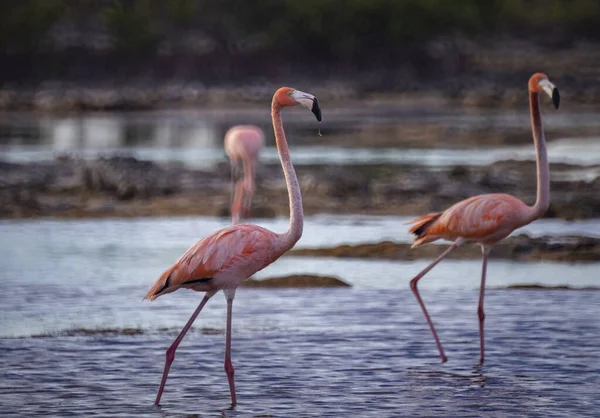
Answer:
(53, 97)
(516, 248)
(295, 281)
(121, 186)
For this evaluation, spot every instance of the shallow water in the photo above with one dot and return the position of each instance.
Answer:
(322, 353)
(195, 138)
(585, 152)
(175, 234)
(363, 351)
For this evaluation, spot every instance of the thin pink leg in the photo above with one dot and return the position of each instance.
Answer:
(170, 356)
(249, 170)
(413, 287)
(231, 182)
(237, 205)
(229, 370)
(248, 203)
(480, 311)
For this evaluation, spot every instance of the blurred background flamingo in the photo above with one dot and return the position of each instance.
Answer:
(487, 219)
(243, 144)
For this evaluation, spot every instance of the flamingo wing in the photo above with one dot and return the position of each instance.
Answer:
(244, 247)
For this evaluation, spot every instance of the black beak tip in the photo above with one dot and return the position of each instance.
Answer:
(316, 109)
(555, 98)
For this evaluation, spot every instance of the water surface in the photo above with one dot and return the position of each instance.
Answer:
(77, 340)
(195, 137)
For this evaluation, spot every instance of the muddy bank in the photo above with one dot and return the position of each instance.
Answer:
(127, 187)
(52, 97)
(297, 280)
(542, 287)
(518, 248)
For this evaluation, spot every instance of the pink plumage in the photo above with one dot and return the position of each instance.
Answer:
(224, 259)
(243, 143)
(486, 219)
(220, 260)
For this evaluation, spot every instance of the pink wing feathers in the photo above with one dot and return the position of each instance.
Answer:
(475, 219)
(243, 246)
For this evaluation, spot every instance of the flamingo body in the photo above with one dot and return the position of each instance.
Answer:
(487, 219)
(221, 260)
(224, 259)
(484, 219)
(243, 143)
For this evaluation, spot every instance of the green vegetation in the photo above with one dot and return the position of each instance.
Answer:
(345, 31)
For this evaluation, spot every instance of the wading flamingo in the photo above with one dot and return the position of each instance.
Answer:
(243, 143)
(224, 259)
(489, 218)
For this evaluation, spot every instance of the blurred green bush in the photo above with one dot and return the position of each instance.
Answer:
(336, 29)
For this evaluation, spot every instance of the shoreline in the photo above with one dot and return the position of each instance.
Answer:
(520, 248)
(71, 188)
(65, 99)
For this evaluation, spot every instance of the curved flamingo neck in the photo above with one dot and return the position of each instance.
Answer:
(294, 231)
(543, 169)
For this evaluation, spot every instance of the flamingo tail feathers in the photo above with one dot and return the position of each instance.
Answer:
(420, 228)
(162, 285)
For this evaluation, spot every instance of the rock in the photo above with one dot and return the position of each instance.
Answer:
(543, 287)
(518, 248)
(127, 178)
(144, 188)
(297, 280)
(344, 182)
(259, 212)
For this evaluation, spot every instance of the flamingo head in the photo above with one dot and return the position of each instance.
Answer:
(539, 83)
(287, 96)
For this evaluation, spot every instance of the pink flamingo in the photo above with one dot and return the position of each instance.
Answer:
(243, 143)
(487, 219)
(224, 259)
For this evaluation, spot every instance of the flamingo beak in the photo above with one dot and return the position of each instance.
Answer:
(316, 109)
(309, 101)
(551, 91)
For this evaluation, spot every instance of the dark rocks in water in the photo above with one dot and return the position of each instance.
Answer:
(459, 172)
(126, 186)
(344, 183)
(260, 212)
(518, 248)
(297, 280)
(543, 287)
(86, 332)
(33, 176)
(127, 178)
(264, 212)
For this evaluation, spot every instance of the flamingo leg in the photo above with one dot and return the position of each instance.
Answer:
(231, 184)
(249, 193)
(170, 355)
(249, 173)
(229, 370)
(238, 202)
(480, 312)
(415, 290)
(236, 192)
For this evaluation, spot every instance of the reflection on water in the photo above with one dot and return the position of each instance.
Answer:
(194, 138)
(96, 132)
(363, 351)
